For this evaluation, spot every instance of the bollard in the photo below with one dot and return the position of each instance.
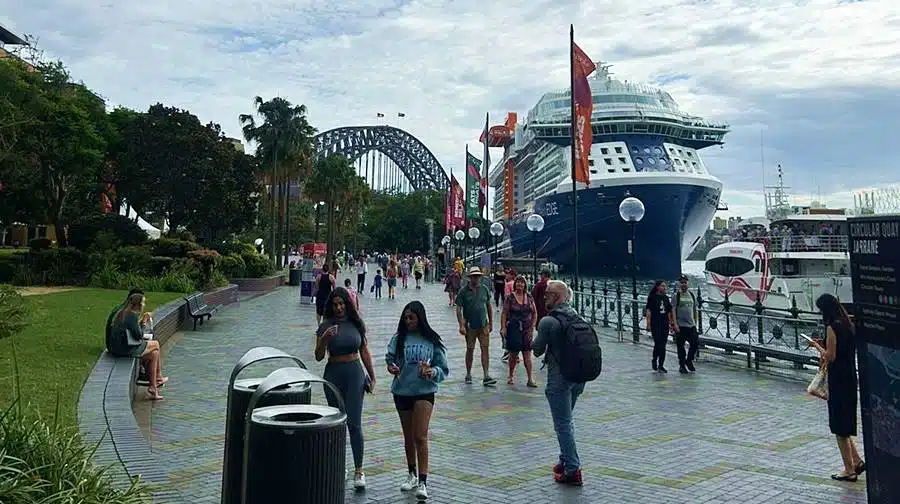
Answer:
(294, 453)
(237, 401)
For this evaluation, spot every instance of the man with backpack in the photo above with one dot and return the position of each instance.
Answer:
(573, 357)
(685, 306)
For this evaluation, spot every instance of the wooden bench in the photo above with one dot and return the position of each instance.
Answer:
(198, 309)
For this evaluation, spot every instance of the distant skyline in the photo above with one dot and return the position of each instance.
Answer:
(819, 78)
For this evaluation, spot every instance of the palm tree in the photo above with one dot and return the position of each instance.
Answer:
(329, 182)
(284, 139)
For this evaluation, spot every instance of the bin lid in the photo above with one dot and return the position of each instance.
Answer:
(249, 385)
(298, 416)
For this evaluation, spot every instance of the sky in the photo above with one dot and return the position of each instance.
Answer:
(811, 85)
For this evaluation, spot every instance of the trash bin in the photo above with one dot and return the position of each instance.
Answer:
(294, 453)
(294, 277)
(307, 279)
(239, 394)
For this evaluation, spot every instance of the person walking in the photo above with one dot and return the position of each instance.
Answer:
(838, 356)
(404, 273)
(417, 359)
(451, 286)
(537, 293)
(392, 279)
(418, 271)
(499, 286)
(476, 321)
(325, 283)
(342, 335)
(517, 329)
(685, 307)
(573, 357)
(659, 319)
(361, 269)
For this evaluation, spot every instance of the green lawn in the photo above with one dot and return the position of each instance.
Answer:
(11, 251)
(58, 349)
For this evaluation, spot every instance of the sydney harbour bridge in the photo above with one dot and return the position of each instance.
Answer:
(387, 157)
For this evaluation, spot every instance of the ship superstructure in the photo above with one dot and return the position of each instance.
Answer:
(644, 144)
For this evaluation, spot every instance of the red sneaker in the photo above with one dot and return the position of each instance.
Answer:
(558, 469)
(573, 479)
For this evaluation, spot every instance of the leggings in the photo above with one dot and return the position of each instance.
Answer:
(660, 338)
(498, 294)
(350, 379)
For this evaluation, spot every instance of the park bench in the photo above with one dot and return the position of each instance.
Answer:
(198, 309)
(760, 353)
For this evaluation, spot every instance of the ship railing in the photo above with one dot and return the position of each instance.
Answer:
(761, 335)
(802, 243)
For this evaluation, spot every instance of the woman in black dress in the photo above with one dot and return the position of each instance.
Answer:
(839, 355)
(324, 286)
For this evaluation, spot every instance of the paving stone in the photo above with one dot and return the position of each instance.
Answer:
(724, 434)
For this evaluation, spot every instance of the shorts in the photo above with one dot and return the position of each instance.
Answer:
(407, 403)
(418, 275)
(517, 339)
(392, 282)
(482, 335)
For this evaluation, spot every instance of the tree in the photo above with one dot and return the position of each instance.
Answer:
(396, 221)
(284, 143)
(329, 182)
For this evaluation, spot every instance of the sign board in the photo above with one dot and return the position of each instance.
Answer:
(875, 271)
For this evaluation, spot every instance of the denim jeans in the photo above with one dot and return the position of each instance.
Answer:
(562, 395)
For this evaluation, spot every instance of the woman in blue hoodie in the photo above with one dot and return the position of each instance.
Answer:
(418, 360)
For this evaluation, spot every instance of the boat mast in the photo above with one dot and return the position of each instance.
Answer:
(778, 206)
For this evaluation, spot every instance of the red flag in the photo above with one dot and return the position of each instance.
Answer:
(448, 213)
(457, 204)
(583, 106)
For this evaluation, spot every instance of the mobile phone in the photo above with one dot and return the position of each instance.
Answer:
(807, 338)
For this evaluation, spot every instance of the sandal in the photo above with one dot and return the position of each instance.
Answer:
(532, 384)
(860, 468)
(153, 395)
(162, 381)
(510, 381)
(841, 477)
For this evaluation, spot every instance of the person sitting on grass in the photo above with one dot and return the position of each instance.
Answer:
(126, 339)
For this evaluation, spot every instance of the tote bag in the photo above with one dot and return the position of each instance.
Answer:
(818, 387)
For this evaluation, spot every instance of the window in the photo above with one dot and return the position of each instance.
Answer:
(604, 150)
(618, 150)
(689, 154)
(757, 264)
(608, 161)
(622, 161)
(729, 266)
(590, 162)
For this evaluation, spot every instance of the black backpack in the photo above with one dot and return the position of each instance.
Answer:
(578, 350)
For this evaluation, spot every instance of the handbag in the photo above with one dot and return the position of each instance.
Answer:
(818, 387)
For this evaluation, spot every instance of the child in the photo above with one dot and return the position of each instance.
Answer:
(352, 292)
(377, 284)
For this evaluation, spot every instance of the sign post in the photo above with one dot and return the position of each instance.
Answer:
(875, 271)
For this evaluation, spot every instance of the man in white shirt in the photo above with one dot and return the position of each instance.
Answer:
(361, 269)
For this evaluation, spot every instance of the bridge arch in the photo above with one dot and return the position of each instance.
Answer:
(412, 157)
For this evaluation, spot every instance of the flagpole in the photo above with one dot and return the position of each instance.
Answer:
(574, 139)
(486, 162)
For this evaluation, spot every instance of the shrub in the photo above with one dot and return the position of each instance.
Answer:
(207, 260)
(9, 265)
(116, 229)
(236, 248)
(133, 258)
(40, 243)
(158, 265)
(233, 266)
(170, 247)
(258, 266)
(183, 235)
(13, 311)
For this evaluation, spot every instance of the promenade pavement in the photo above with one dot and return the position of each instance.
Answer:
(725, 434)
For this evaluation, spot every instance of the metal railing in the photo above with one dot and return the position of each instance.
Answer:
(802, 243)
(759, 332)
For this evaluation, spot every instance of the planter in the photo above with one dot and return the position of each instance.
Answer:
(264, 284)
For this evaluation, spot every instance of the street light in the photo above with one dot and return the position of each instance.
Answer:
(474, 233)
(460, 235)
(318, 206)
(258, 242)
(631, 210)
(445, 241)
(535, 224)
(496, 230)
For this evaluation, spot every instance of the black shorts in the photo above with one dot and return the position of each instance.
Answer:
(407, 402)
(418, 275)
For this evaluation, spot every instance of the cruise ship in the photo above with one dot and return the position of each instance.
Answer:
(644, 146)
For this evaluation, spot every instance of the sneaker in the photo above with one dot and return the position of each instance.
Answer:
(422, 492)
(505, 357)
(559, 468)
(573, 478)
(412, 481)
(662, 370)
(469, 379)
(690, 366)
(359, 481)
(682, 369)
(653, 364)
(488, 381)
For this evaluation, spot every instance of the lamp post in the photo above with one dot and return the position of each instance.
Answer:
(460, 236)
(496, 231)
(445, 241)
(318, 206)
(535, 224)
(631, 210)
(474, 233)
(258, 242)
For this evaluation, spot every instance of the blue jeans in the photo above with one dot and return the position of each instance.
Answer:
(562, 395)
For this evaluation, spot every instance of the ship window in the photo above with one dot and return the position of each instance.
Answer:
(635, 150)
(680, 153)
(638, 161)
(678, 161)
(694, 164)
(608, 161)
(689, 154)
(757, 264)
(646, 150)
(618, 150)
(651, 160)
(657, 151)
(590, 162)
(604, 150)
(622, 161)
(729, 266)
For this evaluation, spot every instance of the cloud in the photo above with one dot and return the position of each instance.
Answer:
(818, 78)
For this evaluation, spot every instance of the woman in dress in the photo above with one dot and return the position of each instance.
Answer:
(325, 283)
(127, 340)
(451, 285)
(342, 335)
(418, 360)
(517, 328)
(839, 357)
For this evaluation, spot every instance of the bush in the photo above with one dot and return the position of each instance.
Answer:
(43, 462)
(158, 265)
(13, 312)
(116, 230)
(40, 243)
(110, 277)
(257, 266)
(236, 248)
(133, 258)
(233, 266)
(170, 247)
(9, 265)
(207, 260)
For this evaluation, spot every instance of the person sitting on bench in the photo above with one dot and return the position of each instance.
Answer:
(126, 339)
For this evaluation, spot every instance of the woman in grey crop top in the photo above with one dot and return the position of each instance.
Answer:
(342, 336)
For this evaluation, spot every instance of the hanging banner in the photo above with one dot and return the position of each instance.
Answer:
(473, 186)
(457, 204)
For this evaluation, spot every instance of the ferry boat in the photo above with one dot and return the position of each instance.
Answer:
(803, 254)
(644, 146)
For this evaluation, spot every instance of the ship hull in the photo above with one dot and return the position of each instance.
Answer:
(677, 214)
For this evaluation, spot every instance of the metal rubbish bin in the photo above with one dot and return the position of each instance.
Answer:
(239, 393)
(294, 453)
(294, 277)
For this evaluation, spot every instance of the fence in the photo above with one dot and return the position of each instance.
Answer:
(760, 333)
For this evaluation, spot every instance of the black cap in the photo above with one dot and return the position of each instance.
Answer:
(683, 277)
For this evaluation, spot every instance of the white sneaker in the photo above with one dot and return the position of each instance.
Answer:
(359, 481)
(412, 481)
(422, 492)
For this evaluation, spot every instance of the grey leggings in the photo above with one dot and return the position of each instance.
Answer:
(350, 379)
